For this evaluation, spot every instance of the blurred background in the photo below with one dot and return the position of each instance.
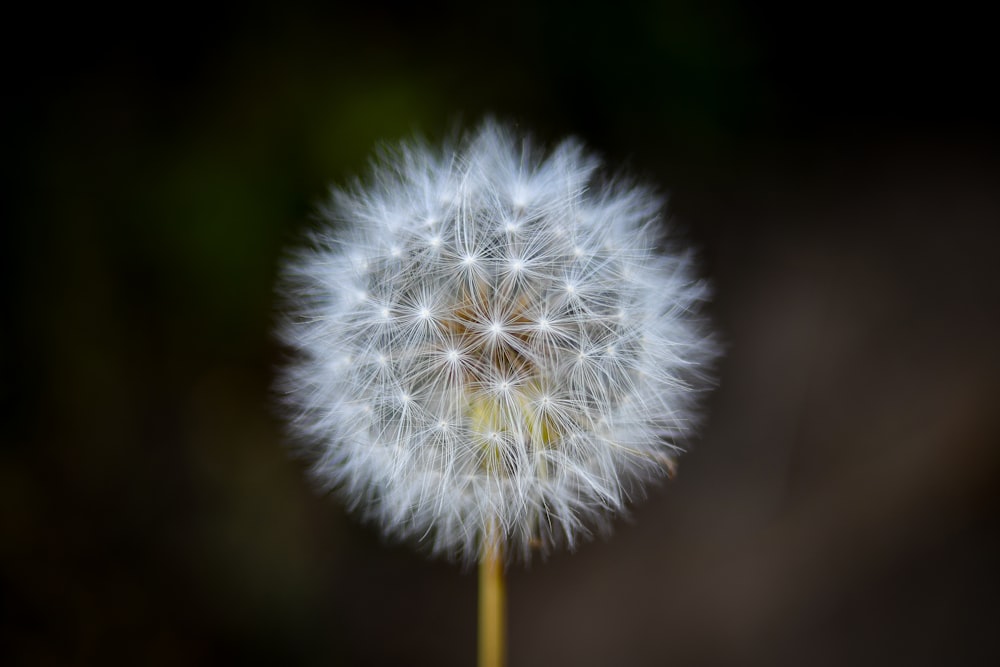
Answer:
(838, 166)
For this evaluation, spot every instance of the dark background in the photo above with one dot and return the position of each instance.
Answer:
(838, 165)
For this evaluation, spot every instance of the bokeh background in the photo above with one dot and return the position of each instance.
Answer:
(837, 165)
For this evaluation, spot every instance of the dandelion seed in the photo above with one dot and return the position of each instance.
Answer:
(526, 356)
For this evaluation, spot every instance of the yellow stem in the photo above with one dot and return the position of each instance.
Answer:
(492, 604)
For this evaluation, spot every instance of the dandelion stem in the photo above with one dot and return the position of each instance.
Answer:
(492, 604)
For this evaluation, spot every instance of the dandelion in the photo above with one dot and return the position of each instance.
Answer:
(494, 351)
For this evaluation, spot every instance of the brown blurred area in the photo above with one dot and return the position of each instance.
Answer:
(839, 169)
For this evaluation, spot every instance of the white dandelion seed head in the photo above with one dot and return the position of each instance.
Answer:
(487, 336)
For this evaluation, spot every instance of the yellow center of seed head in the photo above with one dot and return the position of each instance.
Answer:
(501, 426)
(516, 421)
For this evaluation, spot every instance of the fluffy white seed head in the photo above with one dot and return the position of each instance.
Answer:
(484, 336)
